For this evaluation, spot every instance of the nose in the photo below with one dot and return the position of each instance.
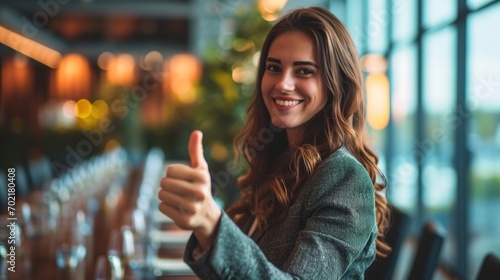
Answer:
(286, 82)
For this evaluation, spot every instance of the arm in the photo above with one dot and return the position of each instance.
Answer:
(341, 223)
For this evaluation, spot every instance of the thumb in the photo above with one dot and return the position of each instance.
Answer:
(195, 149)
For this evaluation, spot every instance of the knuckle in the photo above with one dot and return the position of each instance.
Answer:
(201, 175)
(164, 182)
(198, 195)
(161, 195)
(198, 208)
(163, 208)
(174, 168)
(186, 210)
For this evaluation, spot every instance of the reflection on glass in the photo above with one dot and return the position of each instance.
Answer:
(67, 259)
(403, 176)
(3, 261)
(483, 96)
(116, 267)
(100, 268)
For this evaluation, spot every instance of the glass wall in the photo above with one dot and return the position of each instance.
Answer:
(402, 190)
(439, 12)
(436, 148)
(404, 19)
(435, 57)
(483, 97)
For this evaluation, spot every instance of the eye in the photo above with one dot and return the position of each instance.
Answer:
(273, 68)
(305, 71)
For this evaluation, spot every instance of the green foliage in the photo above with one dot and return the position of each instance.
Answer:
(485, 123)
(485, 186)
(220, 109)
(221, 106)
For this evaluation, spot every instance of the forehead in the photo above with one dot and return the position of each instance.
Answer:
(296, 45)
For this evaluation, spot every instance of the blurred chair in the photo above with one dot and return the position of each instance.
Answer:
(22, 185)
(490, 269)
(383, 268)
(428, 251)
(3, 191)
(40, 172)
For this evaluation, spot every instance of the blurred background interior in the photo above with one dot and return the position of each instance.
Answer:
(97, 96)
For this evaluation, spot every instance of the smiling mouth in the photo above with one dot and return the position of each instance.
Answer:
(287, 103)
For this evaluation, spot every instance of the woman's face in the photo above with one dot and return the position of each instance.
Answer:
(292, 86)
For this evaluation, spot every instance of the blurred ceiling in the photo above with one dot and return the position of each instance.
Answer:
(91, 27)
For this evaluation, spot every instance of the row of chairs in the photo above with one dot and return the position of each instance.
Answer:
(32, 176)
(426, 257)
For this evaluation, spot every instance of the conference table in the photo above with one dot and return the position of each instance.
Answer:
(100, 220)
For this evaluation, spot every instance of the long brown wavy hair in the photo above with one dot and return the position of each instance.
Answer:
(276, 171)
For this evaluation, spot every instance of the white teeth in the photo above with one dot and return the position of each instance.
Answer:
(286, 103)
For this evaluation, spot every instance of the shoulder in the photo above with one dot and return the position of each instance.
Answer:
(341, 165)
(340, 175)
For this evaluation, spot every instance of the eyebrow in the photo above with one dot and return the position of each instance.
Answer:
(272, 59)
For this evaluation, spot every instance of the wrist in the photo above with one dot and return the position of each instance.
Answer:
(206, 233)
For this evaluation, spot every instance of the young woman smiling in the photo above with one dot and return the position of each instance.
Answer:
(311, 204)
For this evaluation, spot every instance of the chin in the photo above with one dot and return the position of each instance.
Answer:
(278, 124)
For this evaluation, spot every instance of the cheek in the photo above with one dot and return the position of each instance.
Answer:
(324, 96)
(265, 85)
(321, 94)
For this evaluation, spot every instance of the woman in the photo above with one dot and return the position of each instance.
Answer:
(311, 206)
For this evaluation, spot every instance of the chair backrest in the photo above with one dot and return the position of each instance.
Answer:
(40, 172)
(3, 191)
(490, 269)
(428, 251)
(22, 184)
(383, 268)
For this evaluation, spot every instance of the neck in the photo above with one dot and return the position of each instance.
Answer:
(294, 136)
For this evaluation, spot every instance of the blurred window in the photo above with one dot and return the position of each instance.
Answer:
(378, 20)
(354, 23)
(483, 97)
(436, 149)
(403, 176)
(473, 4)
(405, 20)
(439, 12)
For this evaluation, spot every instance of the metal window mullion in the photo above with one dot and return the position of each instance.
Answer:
(420, 121)
(461, 153)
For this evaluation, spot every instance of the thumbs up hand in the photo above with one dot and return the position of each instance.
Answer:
(195, 149)
(186, 195)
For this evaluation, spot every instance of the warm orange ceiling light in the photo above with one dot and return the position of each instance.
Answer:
(270, 9)
(29, 47)
(72, 78)
(377, 93)
(121, 70)
(184, 72)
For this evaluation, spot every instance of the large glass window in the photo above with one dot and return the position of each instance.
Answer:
(439, 12)
(473, 4)
(437, 147)
(405, 19)
(403, 176)
(378, 20)
(483, 96)
(437, 151)
(354, 23)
